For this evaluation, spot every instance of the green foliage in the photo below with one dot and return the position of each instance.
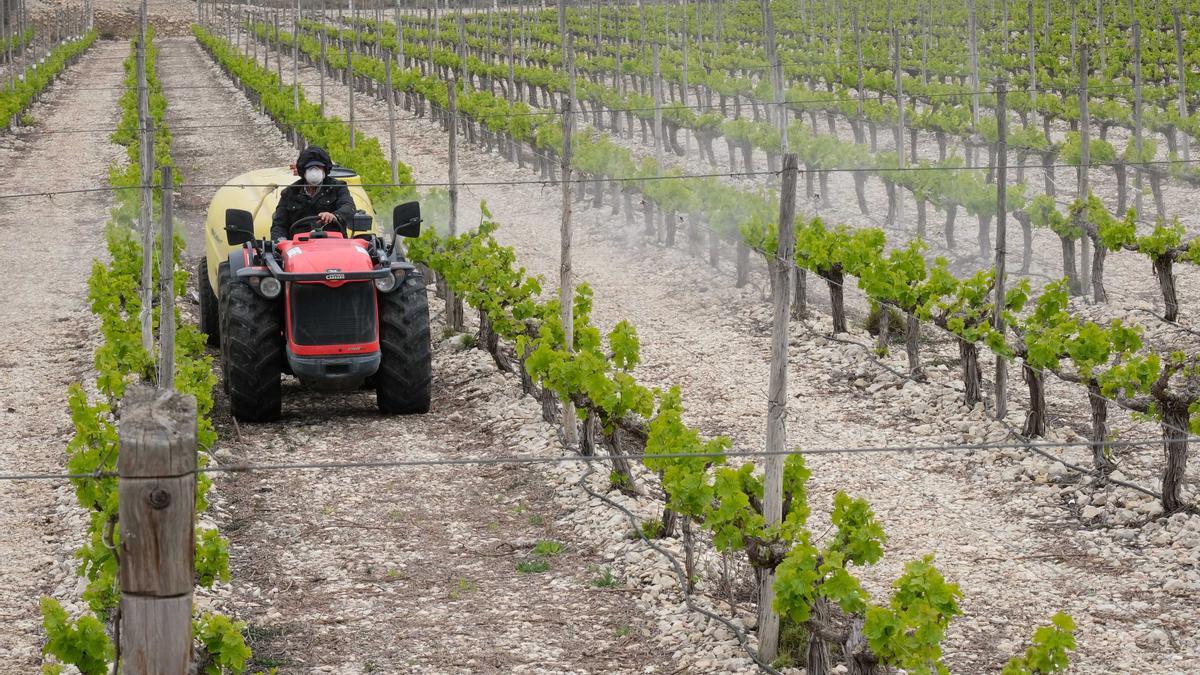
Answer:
(548, 547)
(908, 632)
(36, 78)
(1043, 212)
(604, 579)
(698, 483)
(1048, 653)
(82, 643)
(212, 557)
(225, 642)
(535, 566)
(1109, 231)
(115, 297)
(366, 157)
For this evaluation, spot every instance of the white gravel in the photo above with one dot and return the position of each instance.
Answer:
(1019, 549)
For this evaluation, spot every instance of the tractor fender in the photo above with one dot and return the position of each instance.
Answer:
(240, 264)
(238, 258)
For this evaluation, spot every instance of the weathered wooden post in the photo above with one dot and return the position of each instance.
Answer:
(323, 55)
(157, 491)
(351, 79)
(566, 282)
(1085, 144)
(454, 309)
(1001, 240)
(780, 266)
(1182, 80)
(391, 108)
(166, 284)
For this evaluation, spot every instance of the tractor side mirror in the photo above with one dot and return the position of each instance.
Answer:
(239, 226)
(406, 220)
(361, 222)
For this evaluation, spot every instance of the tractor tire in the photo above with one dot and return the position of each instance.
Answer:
(223, 277)
(404, 378)
(210, 312)
(252, 353)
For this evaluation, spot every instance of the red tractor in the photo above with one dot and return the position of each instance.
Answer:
(337, 311)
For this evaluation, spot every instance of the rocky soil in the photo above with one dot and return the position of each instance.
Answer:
(1010, 526)
(394, 570)
(47, 336)
(439, 568)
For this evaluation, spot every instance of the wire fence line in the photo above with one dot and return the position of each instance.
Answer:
(528, 459)
(601, 179)
(925, 322)
(1040, 371)
(876, 66)
(1032, 446)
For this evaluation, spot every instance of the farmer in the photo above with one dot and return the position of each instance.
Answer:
(313, 194)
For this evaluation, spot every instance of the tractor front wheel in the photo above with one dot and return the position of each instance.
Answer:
(404, 379)
(209, 310)
(252, 351)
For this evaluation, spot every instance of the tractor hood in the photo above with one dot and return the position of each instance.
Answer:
(329, 256)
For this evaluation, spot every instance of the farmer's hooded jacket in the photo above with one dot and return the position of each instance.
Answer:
(295, 203)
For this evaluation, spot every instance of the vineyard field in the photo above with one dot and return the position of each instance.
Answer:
(733, 371)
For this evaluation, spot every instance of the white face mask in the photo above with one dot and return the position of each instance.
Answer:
(314, 175)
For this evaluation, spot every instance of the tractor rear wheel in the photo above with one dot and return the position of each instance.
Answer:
(404, 379)
(252, 352)
(210, 315)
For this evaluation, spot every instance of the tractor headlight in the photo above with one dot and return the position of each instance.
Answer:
(386, 284)
(270, 287)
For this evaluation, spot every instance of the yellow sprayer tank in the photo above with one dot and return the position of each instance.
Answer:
(258, 192)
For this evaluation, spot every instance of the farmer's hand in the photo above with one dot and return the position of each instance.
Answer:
(326, 217)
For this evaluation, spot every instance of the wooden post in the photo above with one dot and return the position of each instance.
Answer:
(974, 69)
(400, 39)
(1085, 267)
(350, 77)
(452, 90)
(296, 65)
(252, 38)
(1001, 242)
(391, 108)
(657, 86)
(566, 288)
(1137, 113)
(862, 92)
(779, 114)
(166, 284)
(683, 88)
(780, 266)
(431, 19)
(1032, 67)
(278, 54)
(576, 109)
(12, 71)
(462, 52)
(157, 493)
(1182, 83)
(899, 128)
(324, 39)
(454, 310)
(146, 145)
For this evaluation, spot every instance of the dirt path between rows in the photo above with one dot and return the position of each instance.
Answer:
(1018, 555)
(47, 334)
(400, 570)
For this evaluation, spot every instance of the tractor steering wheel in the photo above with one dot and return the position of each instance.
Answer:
(313, 222)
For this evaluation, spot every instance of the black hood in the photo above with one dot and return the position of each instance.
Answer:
(313, 155)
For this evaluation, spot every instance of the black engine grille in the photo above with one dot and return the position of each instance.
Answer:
(322, 315)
